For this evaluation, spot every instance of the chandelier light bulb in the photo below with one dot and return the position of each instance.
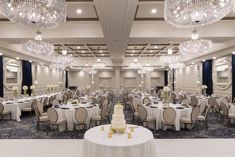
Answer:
(170, 51)
(195, 35)
(38, 35)
(64, 51)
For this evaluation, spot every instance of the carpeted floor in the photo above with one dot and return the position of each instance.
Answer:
(26, 130)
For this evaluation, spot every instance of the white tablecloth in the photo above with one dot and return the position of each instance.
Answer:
(157, 113)
(68, 114)
(97, 144)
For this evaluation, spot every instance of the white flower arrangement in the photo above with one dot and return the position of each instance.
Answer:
(166, 93)
(204, 86)
(15, 88)
(166, 89)
(32, 87)
(25, 87)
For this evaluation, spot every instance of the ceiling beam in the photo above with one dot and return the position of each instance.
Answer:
(90, 50)
(146, 47)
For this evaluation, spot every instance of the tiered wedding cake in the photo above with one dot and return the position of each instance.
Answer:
(118, 122)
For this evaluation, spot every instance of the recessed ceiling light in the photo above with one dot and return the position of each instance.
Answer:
(135, 60)
(86, 65)
(79, 11)
(132, 54)
(78, 47)
(0, 54)
(203, 60)
(233, 53)
(82, 51)
(151, 51)
(155, 47)
(133, 51)
(17, 58)
(214, 57)
(98, 60)
(71, 66)
(101, 51)
(154, 11)
(192, 63)
(102, 54)
(30, 61)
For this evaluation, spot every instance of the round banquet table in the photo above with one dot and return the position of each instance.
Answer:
(97, 144)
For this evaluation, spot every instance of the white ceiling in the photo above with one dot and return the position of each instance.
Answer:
(121, 26)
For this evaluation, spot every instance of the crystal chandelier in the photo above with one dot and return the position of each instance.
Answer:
(135, 64)
(38, 46)
(64, 59)
(57, 66)
(193, 13)
(177, 65)
(169, 58)
(98, 65)
(39, 13)
(195, 45)
(148, 68)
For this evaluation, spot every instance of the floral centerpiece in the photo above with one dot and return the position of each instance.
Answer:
(75, 102)
(25, 88)
(166, 94)
(204, 87)
(15, 88)
(49, 88)
(32, 87)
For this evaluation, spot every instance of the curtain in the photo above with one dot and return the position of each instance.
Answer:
(233, 76)
(66, 80)
(173, 80)
(26, 75)
(1, 77)
(166, 77)
(207, 76)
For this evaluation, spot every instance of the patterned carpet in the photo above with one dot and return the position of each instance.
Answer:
(26, 130)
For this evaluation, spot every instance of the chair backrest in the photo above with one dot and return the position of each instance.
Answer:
(55, 102)
(225, 101)
(194, 114)
(207, 112)
(185, 102)
(45, 101)
(142, 113)
(146, 100)
(202, 108)
(224, 109)
(52, 115)
(51, 100)
(169, 115)
(81, 114)
(173, 96)
(34, 104)
(211, 101)
(181, 98)
(194, 101)
(104, 110)
(159, 94)
(1, 108)
(65, 98)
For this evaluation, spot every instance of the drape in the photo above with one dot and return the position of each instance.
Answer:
(26, 75)
(173, 80)
(1, 77)
(233, 76)
(66, 80)
(207, 76)
(166, 77)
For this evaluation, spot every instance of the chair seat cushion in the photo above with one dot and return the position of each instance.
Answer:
(43, 118)
(185, 119)
(231, 115)
(6, 112)
(96, 117)
(201, 117)
(44, 114)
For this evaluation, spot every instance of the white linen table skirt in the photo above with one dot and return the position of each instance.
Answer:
(97, 144)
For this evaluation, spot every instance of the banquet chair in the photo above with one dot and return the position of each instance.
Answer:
(4, 113)
(202, 108)
(41, 117)
(169, 116)
(185, 102)
(109, 111)
(146, 101)
(55, 102)
(194, 101)
(204, 118)
(173, 97)
(80, 118)
(225, 113)
(181, 98)
(192, 119)
(31, 107)
(100, 118)
(54, 120)
(212, 104)
(159, 94)
(134, 111)
(45, 102)
(65, 98)
(50, 101)
(145, 118)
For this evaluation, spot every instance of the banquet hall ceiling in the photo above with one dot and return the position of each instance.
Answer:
(118, 30)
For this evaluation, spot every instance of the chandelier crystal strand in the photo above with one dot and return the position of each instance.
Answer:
(169, 58)
(39, 13)
(38, 46)
(194, 13)
(177, 65)
(195, 45)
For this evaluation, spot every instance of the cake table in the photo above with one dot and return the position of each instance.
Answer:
(98, 144)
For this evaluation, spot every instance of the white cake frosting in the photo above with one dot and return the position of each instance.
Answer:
(118, 120)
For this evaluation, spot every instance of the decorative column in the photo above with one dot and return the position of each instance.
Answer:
(117, 78)
(207, 76)
(148, 80)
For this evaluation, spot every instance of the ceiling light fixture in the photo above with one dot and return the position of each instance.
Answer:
(79, 11)
(154, 11)
(38, 13)
(17, 58)
(195, 45)
(193, 13)
(38, 46)
(170, 58)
